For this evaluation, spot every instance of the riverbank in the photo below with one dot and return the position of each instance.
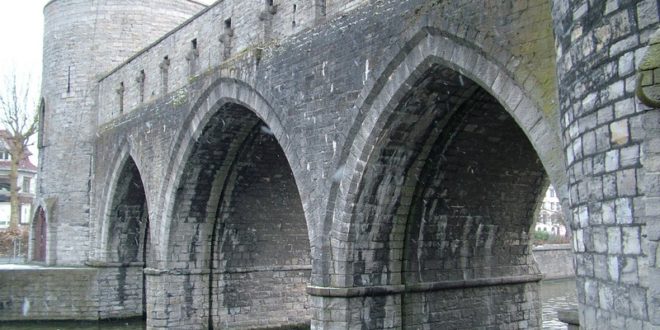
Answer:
(555, 261)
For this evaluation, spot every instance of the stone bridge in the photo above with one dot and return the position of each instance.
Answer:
(347, 163)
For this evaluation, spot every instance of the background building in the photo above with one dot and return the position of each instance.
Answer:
(550, 217)
(26, 183)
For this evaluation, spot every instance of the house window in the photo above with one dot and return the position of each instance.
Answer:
(4, 189)
(5, 155)
(26, 185)
(25, 211)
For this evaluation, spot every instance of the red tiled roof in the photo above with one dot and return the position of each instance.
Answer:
(25, 163)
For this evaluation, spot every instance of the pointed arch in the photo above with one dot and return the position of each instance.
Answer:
(39, 233)
(428, 47)
(223, 91)
(233, 201)
(431, 131)
(125, 190)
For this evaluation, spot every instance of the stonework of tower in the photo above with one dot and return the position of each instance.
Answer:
(83, 40)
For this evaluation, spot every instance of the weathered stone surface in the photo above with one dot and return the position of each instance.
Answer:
(390, 149)
(85, 293)
(600, 36)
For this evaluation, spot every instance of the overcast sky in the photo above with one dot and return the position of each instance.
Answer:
(21, 29)
(21, 34)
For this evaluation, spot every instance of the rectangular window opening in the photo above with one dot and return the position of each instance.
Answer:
(141, 79)
(26, 185)
(120, 91)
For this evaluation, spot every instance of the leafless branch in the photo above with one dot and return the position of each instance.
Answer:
(19, 118)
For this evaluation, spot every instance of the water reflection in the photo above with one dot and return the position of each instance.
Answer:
(557, 295)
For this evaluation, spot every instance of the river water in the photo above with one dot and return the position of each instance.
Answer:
(555, 295)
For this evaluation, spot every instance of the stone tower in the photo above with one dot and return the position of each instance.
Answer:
(84, 39)
(611, 147)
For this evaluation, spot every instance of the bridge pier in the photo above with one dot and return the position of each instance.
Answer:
(510, 301)
(177, 299)
(611, 143)
(348, 308)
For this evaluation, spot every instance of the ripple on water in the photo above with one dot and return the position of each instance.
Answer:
(557, 295)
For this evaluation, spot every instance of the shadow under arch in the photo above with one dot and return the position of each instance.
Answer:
(122, 238)
(125, 187)
(125, 235)
(443, 108)
(222, 91)
(235, 220)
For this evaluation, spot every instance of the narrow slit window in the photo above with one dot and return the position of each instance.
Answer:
(42, 123)
(164, 72)
(140, 80)
(120, 94)
(226, 39)
(192, 57)
(68, 81)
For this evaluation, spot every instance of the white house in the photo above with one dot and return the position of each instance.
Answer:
(26, 184)
(550, 216)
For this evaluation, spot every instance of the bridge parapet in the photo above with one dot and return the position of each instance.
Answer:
(217, 34)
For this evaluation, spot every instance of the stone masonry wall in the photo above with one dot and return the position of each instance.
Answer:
(599, 44)
(219, 33)
(325, 87)
(70, 293)
(48, 294)
(515, 306)
(81, 40)
(555, 260)
(523, 25)
(310, 102)
(119, 291)
(314, 101)
(263, 249)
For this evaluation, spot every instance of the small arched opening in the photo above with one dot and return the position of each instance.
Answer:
(39, 235)
(128, 240)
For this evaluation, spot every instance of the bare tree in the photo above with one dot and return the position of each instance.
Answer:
(19, 117)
